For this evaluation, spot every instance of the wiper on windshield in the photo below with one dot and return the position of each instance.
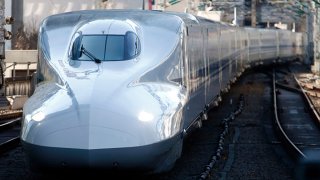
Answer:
(90, 55)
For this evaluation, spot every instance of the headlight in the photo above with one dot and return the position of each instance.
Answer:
(39, 116)
(145, 116)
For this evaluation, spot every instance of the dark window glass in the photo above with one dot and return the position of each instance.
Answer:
(115, 48)
(132, 43)
(95, 45)
(109, 47)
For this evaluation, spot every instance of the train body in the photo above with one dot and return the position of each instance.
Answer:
(120, 88)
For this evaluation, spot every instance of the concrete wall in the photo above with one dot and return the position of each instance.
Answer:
(213, 15)
(124, 4)
(22, 58)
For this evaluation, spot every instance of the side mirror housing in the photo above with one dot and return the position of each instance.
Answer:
(76, 52)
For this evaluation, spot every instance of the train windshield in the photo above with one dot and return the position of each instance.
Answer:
(106, 47)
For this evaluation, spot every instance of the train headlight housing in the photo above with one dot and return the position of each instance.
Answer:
(39, 116)
(145, 116)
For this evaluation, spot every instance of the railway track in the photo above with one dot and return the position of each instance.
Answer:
(246, 139)
(9, 129)
(9, 134)
(6, 114)
(296, 118)
(297, 123)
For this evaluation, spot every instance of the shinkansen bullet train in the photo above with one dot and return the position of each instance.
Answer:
(121, 88)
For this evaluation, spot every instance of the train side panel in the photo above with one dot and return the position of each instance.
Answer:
(214, 50)
(133, 113)
(268, 49)
(286, 44)
(226, 66)
(196, 73)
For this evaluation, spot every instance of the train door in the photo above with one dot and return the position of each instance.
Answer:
(247, 47)
(232, 53)
(278, 48)
(213, 53)
(221, 60)
(242, 51)
(206, 77)
(225, 57)
(235, 55)
(260, 46)
(184, 61)
(236, 51)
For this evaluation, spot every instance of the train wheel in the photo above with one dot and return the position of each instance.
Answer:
(204, 116)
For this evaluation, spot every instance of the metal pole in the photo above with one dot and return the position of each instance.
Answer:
(2, 41)
(17, 12)
(28, 69)
(14, 71)
(316, 39)
(253, 13)
(13, 78)
(143, 4)
(309, 31)
(313, 43)
(235, 16)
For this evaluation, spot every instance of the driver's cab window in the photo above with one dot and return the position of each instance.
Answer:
(106, 47)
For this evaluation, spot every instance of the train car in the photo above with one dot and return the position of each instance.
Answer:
(121, 88)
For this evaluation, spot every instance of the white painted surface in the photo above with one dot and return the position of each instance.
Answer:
(21, 56)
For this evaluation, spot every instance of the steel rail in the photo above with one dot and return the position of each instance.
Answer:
(293, 149)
